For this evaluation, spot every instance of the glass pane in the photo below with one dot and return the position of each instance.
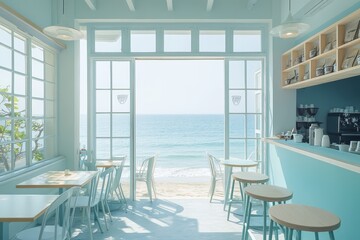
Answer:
(20, 154)
(5, 105)
(49, 58)
(177, 41)
(20, 106)
(20, 84)
(251, 148)
(37, 150)
(50, 108)
(5, 36)
(254, 75)
(37, 52)
(237, 125)
(20, 129)
(102, 148)
(50, 148)
(254, 101)
(237, 148)
(5, 157)
(121, 74)
(121, 125)
(102, 74)
(107, 40)
(236, 101)
(5, 83)
(212, 41)
(5, 130)
(49, 73)
(143, 41)
(247, 41)
(251, 125)
(103, 125)
(258, 123)
(50, 90)
(121, 147)
(37, 128)
(237, 74)
(19, 43)
(6, 58)
(37, 108)
(37, 69)
(37, 88)
(19, 62)
(50, 127)
(121, 101)
(103, 101)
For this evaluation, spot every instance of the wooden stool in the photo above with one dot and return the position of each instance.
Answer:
(267, 194)
(303, 218)
(245, 178)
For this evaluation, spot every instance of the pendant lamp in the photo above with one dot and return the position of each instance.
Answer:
(62, 32)
(289, 28)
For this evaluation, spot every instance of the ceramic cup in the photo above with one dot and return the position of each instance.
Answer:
(344, 147)
(353, 145)
(298, 138)
(358, 147)
(325, 141)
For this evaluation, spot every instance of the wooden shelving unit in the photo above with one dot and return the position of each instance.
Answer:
(301, 65)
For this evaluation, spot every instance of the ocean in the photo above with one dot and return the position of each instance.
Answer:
(181, 142)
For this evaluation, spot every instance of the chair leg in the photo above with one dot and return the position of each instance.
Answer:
(104, 214)
(231, 199)
(108, 210)
(153, 187)
(212, 188)
(89, 222)
(148, 185)
(332, 237)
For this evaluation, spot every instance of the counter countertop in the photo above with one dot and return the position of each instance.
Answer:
(346, 160)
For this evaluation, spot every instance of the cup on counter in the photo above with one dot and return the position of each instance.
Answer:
(353, 145)
(344, 147)
(298, 137)
(358, 147)
(67, 172)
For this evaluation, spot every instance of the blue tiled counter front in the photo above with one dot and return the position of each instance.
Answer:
(319, 177)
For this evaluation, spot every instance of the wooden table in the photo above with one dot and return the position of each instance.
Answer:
(229, 164)
(21, 208)
(58, 179)
(108, 163)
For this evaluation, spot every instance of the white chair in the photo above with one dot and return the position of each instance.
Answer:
(89, 202)
(216, 173)
(116, 187)
(107, 179)
(146, 174)
(53, 232)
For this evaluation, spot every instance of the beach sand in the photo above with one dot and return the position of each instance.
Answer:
(186, 188)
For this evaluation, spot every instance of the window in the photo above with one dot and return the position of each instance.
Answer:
(27, 101)
(177, 41)
(212, 41)
(108, 41)
(247, 41)
(143, 41)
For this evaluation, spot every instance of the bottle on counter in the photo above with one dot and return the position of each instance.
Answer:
(312, 133)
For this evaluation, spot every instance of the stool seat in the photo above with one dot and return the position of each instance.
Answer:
(304, 218)
(250, 177)
(268, 193)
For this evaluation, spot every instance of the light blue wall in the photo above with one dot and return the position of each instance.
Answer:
(319, 184)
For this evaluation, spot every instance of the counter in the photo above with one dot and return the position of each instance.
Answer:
(319, 177)
(346, 160)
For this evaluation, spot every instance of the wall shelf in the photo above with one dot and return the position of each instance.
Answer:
(301, 68)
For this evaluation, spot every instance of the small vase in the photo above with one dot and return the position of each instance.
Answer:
(325, 141)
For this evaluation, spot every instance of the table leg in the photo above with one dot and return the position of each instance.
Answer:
(227, 185)
(61, 209)
(4, 230)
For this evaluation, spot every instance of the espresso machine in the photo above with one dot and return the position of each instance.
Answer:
(343, 127)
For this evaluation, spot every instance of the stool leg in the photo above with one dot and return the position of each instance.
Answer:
(264, 230)
(316, 235)
(332, 237)
(248, 220)
(231, 198)
(291, 233)
(276, 232)
(287, 233)
(271, 229)
(245, 216)
(298, 236)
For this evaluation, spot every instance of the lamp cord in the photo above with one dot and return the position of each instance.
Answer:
(63, 7)
(289, 6)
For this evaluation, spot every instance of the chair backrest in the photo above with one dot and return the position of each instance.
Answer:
(147, 168)
(117, 176)
(64, 201)
(215, 166)
(93, 190)
(107, 180)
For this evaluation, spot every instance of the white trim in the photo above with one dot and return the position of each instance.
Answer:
(85, 21)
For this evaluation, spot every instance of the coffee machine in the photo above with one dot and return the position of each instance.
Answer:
(343, 127)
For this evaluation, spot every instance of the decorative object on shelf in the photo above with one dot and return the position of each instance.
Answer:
(350, 59)
(290, 28)
(329, 66)
(352, 31)
(319, 71)
(306, 75)
(63, 32)
(313, 52)
(292, 78)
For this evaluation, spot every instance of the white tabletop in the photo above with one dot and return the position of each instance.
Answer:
(108, 163)
(23, 208)
(238, 163)
(58, 179)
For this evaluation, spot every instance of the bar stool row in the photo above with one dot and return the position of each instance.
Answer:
(287, 217)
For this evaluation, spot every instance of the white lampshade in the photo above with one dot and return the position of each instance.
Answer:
(63, 33)
(289, 28)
